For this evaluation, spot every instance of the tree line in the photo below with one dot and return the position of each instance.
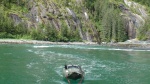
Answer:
(43, 32)
(106, 17)
(47, 32)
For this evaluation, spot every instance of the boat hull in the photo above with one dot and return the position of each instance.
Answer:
(73, 72)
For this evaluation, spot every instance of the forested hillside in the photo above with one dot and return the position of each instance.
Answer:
(75, 20)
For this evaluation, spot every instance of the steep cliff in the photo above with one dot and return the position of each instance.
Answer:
(57, 14)
(76, 20)
(120, 20)
(135, 16)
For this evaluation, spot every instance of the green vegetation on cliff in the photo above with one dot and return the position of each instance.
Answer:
(9, 29)
(106, 17)
(144, 2)
(144, 32)
(72, 20)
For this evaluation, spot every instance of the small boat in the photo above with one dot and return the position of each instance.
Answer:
(73, 72)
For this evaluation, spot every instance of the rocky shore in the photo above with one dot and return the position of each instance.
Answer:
(23, 41)
(130, 43)
(134, 43)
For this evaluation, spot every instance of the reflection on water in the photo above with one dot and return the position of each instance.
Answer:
(42, 64)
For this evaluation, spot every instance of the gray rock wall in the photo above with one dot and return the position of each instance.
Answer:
(49, 12)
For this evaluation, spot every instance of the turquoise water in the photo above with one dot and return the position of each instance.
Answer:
(42, 64)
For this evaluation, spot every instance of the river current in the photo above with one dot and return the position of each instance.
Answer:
(43, 64)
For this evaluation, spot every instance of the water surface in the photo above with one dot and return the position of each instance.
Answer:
(42, 64)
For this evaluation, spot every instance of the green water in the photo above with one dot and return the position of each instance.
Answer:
(42, 64)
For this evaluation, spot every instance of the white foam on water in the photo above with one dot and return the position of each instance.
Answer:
(38, 79)
(47, 46)
(117, 49)
(59, 70)
(30, 65)
(92, 68)
(141, 50)
(41, 46)
(90, 47)
(29, 50)
(88, 67)
(60, 82)
(60, 46)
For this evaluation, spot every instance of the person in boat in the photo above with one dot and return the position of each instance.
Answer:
(65, 66)
(73, 72)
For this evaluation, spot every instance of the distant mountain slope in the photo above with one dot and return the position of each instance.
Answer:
(74, 20)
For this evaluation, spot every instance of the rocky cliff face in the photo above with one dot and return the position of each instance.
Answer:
(58, 14)
(134, 15)
(73, 15)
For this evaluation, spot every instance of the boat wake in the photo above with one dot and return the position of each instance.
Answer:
(92, 48)
(56, 56)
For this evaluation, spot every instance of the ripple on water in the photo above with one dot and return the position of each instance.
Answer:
(30, 50)
(59, 70)
(90, 48)
(60, 82)
(95, 69)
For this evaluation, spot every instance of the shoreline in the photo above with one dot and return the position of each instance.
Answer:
(138, 44)
(130, 45)
(23, 41)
